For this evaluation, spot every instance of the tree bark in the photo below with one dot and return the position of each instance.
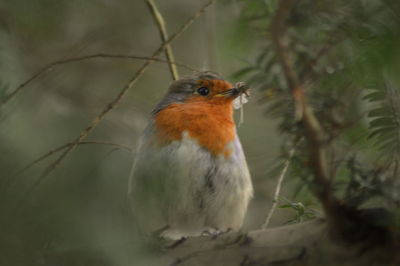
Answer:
(302, 244)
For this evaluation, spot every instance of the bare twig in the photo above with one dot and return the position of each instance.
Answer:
(314, 133)
(116, 100)
(308, 69)
(278, 188)
(164, 37)
(54, 151)
(51, 66)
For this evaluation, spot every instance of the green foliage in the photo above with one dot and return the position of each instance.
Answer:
(364, 184)
(346, 55)
(385, 121)
(302, 212)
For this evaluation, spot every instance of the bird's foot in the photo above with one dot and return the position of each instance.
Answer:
(214, 232)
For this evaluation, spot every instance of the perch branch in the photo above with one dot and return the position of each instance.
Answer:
(164, 37)
(278, 188)
(116, 100)
(314, 133)
(51, 66)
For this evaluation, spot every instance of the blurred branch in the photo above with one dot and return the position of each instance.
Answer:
(278, 188)
(308, 70)
(54, 151)
(164, 37)
(314, 133)
(51, 152)
(93, 124)
(278, 29)
(50, 67)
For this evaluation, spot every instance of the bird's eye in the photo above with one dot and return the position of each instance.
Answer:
(203, 91)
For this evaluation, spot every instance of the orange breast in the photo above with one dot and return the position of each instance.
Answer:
(210, 123)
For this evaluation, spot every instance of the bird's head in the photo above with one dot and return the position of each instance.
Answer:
(201, 88)
(200, 105)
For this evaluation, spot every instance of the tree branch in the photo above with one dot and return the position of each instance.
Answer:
(54, 151)
(51, 66)
(116, 100)
(314, 133)
(278, 188)
(297, 244)
(308, 71)
(164, 37)
(278, 29)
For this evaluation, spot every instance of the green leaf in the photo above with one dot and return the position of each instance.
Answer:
(382, 131)
(381, 122)
(374, 96)
(285, 206)
(382, 111)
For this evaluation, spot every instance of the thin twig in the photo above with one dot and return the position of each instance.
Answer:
(308, 70)
(51, 66)
(116, 100)
(164, 37)
(54, 151)
(314, 132)
(278, 188)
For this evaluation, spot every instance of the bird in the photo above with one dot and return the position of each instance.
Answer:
(190, 176)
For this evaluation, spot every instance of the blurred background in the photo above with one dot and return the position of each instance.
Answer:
(78, 213)
(346, 53)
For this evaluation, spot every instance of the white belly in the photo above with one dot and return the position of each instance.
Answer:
(184, 187)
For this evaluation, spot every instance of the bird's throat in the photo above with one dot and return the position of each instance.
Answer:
(209, 123)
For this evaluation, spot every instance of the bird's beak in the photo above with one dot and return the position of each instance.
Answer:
(234, 92)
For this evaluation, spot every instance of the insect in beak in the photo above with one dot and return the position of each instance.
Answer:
(239, 89)
(243, 88)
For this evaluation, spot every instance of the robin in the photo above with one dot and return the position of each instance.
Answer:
(190, 174)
